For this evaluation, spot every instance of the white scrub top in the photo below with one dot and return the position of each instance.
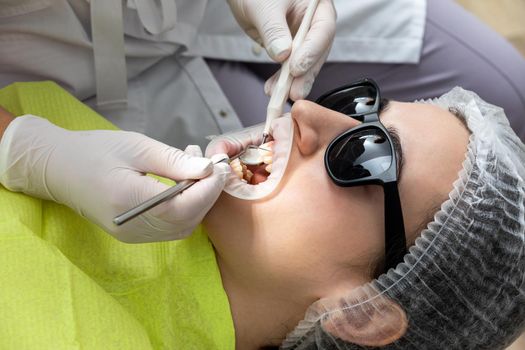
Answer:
(171, 94)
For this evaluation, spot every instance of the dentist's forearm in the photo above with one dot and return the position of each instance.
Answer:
(5, 119)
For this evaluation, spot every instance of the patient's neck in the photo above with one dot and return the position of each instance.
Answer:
(263, 312)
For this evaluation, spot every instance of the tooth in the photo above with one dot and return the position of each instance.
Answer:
(236, 167)
(268, 145)
(263, 153)
(268, 168)
(248, 175)
(268, 159)
(238, 173)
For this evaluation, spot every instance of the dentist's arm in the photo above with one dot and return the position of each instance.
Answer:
(102, 173)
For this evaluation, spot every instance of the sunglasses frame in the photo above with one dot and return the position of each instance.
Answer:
(395, 240)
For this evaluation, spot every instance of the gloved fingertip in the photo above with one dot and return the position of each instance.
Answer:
(279, 49)
(267, 86)
(220, 146)
(199, 167)
(307, 87)
(299, 90)
(193, 150)
(270, 83)
(294, 94)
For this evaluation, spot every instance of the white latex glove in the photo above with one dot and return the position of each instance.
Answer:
(234, 142)
(101, 174)
(271, 23)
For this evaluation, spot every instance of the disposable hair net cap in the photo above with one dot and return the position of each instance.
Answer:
(462, 284)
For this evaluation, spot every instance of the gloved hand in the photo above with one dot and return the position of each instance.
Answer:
(101, 174)
(271, 24)
(234, 142)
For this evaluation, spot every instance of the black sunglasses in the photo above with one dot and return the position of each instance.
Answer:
(365, 155)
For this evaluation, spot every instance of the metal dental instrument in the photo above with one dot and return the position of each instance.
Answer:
(274, 110)
(282, 87)
(251, 155)
(159, 198)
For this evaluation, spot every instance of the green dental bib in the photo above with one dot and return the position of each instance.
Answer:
(66, 284)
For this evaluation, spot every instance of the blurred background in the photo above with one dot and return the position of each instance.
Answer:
(507, 17)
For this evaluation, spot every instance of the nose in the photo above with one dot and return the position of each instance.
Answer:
(316, 126)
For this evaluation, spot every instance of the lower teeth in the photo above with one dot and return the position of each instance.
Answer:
(254, 174)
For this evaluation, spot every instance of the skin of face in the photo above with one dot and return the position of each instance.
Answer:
(311, 238)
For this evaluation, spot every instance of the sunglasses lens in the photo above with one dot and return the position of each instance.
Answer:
(351, 101)
(359, 155)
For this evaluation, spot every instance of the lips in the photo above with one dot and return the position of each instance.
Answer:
(261, 183)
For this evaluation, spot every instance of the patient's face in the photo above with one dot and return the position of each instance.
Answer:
(314, 235)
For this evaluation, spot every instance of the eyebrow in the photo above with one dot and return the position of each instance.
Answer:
(394, 135)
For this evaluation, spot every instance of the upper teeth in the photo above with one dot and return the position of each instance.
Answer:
(265, 152)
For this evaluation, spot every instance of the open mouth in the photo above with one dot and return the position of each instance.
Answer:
(255, 174)
(253, 182)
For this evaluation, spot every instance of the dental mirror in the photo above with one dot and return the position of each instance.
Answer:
(253, 155)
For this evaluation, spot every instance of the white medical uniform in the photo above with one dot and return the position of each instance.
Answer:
(171, 94)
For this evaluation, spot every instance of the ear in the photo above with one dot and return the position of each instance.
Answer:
(377, 322)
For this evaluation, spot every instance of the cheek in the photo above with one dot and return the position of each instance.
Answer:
(359, 223)
(309, 224)
(328, 223)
